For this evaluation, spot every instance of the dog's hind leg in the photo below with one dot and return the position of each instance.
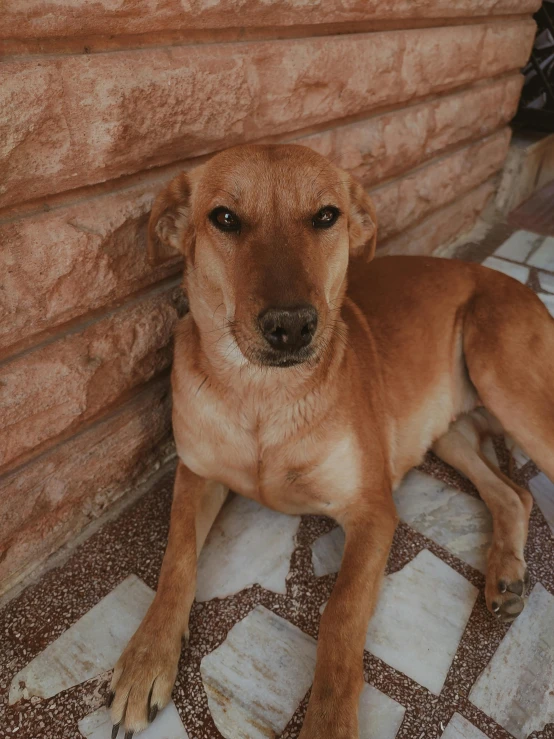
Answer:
(509, 505)
(509, 353)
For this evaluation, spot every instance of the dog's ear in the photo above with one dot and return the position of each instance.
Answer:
(362, 223)
(169, 227)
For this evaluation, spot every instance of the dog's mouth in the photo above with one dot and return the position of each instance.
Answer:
(272, 358)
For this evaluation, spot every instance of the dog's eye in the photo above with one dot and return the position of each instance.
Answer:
(224, 219)
(326, 217)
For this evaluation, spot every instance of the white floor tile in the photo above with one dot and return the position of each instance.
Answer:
(92, 645)
(543, 258)
(421, 615)
(168, 725)
(548, 300)
(515, 689)
(256, 679)
(379, 716)
(455, 520)
(518, 246)
(460, 728)
(547, 281)
(248, 544)
(327, 552)
(520, 458)
(542, 489)
(517, 271)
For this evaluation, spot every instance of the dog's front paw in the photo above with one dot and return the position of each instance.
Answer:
(143, 679)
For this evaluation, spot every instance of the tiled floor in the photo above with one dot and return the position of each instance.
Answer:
(436, 664)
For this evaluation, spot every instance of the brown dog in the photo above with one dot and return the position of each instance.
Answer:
(313, 385)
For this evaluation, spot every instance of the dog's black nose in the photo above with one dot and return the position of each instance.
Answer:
(288, 329)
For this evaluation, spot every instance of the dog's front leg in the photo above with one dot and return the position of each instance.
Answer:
(333, 707)
(144, 675)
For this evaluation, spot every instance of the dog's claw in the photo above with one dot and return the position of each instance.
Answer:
(153, 713)
(129, 734)
(109, 699)
(517, 587)
(115, 729)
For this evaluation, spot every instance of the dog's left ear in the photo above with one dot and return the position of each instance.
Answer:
(362, 223)
(169, 222)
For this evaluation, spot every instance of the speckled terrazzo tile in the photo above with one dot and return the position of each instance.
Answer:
(87, 648)
(258, 676)
(457, 521)
(135, 543)
(419, 620)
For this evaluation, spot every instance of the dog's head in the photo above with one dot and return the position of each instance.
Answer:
(266, 233)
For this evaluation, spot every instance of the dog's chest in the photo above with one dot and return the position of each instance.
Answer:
(278, 459)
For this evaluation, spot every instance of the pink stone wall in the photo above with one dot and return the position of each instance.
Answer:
(101, 103)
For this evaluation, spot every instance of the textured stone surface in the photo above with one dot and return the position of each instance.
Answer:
(387, 145)
(59, 386)
(258, 676)
(247, 544)
(455, 520)
(61, 491)
(62, 17)
(408, 199)
(441, 226)
(84, 119)
(89, 647)
(62, 264)
(516, 687)
(420, 618)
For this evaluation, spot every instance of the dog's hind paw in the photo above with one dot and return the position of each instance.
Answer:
(505, 596)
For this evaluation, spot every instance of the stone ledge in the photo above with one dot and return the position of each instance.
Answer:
(87, 119)
(39, 19)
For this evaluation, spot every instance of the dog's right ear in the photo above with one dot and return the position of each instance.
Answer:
(169, 227)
